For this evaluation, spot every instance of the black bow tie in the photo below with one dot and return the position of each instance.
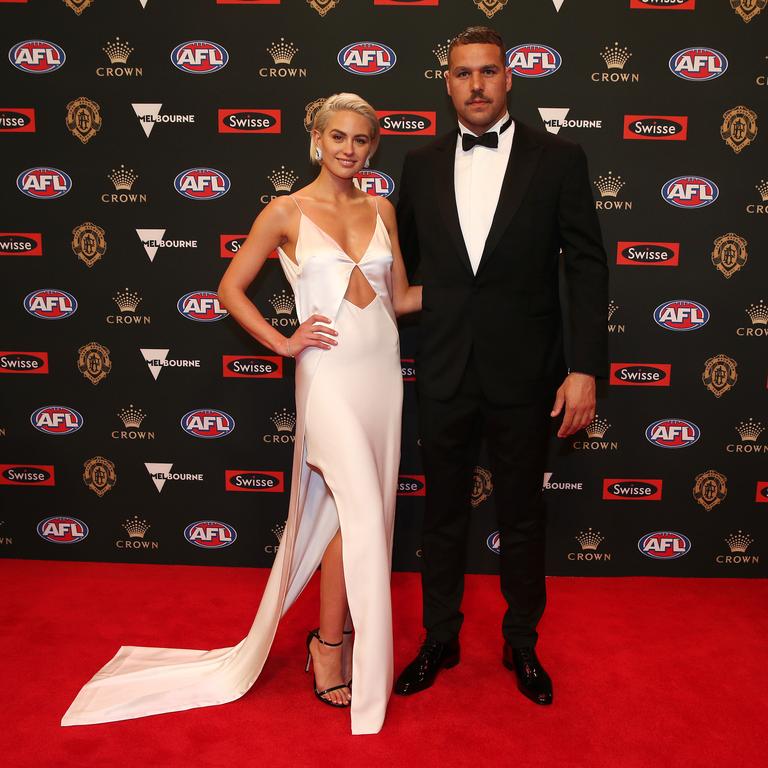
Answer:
(490, 139)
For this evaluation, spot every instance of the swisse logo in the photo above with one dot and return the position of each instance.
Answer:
(210, 534)
(493, 542)
(632, 253)
(631, 489)
(37, 57)
(411, 485)
(690, 192)
(50, 304)
(681, 315)
(202, 184)
(229, 245)
(21, 244)
(56, 420)
(664, 545)
(199, 57)
(26, 474)
(656, 127)
(374, 183)
(533, 60)
(398, 123)
(62, 530)
(252, 367)
(698, 64)
(761, 493)
(208, 423)
(260, 481)
(672, 433)
(249, 121)
(366, 58)
(408, 368)
(24, 362)
(664, 5)
(19, 120)
(202, 306)
(641, 374)
(43, 183)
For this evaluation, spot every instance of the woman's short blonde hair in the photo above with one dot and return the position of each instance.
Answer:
(343, 102)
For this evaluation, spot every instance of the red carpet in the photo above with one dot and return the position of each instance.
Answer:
(648, 672)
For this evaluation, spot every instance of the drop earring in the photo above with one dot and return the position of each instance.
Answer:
(319, 154)
(367, 163)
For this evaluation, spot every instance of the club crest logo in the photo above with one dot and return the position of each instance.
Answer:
(491, 7)
(710, 488)
(719, 374)
(729, 254)
(93, 362)
(199, 57)
(83, 119)
(748, 9)
(323, 6)
(99, 475)
(482, 486)
(366, 58)
(42, 183)
(78, 6)
(739, 128)
(37, 57)
(533, 60)
(698, 64)
(88, 243)
(690, 192)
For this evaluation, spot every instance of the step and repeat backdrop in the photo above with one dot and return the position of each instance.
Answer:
(139, 140)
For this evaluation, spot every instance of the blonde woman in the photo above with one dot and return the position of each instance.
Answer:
(339, 250)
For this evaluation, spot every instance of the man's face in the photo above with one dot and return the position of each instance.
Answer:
(478, 83)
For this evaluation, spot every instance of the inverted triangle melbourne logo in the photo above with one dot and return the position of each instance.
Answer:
(147, 114)
(155, 358)
(151, 239)
(553, 117)
(558, 4)
(159, 473)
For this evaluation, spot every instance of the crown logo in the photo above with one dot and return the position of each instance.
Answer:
(589, 539)
(749, 430)
(738, 542)
(284, 420)
(135, 527)
(758, 313)
(441, 51)
(123, 179)
(118, 52)
(282, 302)
(597, 427)
(283, 180)
(278, 530)
(610, 185)
(131, 417)
(127, 301)
(612, 307)
(616, 57)
(282, 52)
(762, 188)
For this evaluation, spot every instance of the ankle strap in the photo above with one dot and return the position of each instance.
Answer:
(316, 635)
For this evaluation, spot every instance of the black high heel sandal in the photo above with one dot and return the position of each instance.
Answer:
(316, 634)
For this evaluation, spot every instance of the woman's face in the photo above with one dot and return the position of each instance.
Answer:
(345, 143)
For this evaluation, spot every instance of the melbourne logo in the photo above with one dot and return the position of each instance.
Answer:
(400, 123)
(62, 530)
(249, 121)
(157, 360)
(208, 423)
(647, 253)
(664, 545)
(690, 192)
(42, 183)
(153, 239)
(533, 60)
(672, 433)
(374, 183)
(202, 306)
(24, 362)
(366, 58)
(656, 127)
(210, 534)
(56, 420)
(50, 304)
(263, 481)
(632, 489)
(37, 57)
(202, 184)
(17, 120)
(681, 315)
(161, 474)
(698, 64)
(555, 118)
(149, 115)
(199, 57)
(641, 374)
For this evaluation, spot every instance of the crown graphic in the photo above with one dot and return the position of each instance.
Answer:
(762, 188)
(597, 427)
(749, 430)
(118, 52)
(616, 57)
(131, 417)
(135, 527)
(738, 542)
(612, 307)
(589, 539)
(278, 530)
(126, 300)
(441, 51)
(282, 52)
(282, 302)
(283, 180)
(758, 313)
(610, 185)
(284, 420)
(123, 179)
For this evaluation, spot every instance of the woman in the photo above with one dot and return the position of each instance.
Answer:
(338, 248)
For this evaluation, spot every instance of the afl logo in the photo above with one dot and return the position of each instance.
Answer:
(493, 542)
(664, 545)
(56, 420)
(366, 58)
(690, 192)
(698, 64)
(672, 433)
(199, 57)
(50, 304)
(62, 530)
(37, 57)
(43, 183)
(210, 534)
(374, 183)
(202, 306)
(533, 60)
(207, 422)
(681, 315)
(202, 183)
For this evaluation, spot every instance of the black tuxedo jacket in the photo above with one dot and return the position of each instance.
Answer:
(508, 315)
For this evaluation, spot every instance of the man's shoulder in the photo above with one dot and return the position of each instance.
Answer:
(425, 151)
(548, 141)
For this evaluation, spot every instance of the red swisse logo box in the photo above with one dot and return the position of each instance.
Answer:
(26, 474)
(663, 5)
(249, 121)
(229, 245)
(21, 244)
(398, 122)
(656, 127)
(252, 366)
(257, 480)
(761, 494)
(642, 253)
(17, 120)
(641, 374)
(24, 362)
(631, 489)
(408, 368)
(411, 485)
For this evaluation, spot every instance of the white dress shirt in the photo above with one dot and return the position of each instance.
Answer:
(477, 176)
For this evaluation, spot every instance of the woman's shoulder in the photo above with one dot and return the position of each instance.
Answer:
(386, 210)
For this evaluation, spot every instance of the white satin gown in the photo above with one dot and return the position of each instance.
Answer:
(345, 467)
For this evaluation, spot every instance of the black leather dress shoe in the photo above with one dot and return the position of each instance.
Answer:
(422, 671)
(532, 679)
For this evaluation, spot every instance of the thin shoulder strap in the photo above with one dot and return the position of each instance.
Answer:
(297, 203)
(376, 203)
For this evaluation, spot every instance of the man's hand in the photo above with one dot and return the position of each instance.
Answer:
(577, 393)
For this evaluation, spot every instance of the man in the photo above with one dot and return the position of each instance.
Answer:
(482, 216)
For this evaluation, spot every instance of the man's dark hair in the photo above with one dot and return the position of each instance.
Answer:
(477, 35)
